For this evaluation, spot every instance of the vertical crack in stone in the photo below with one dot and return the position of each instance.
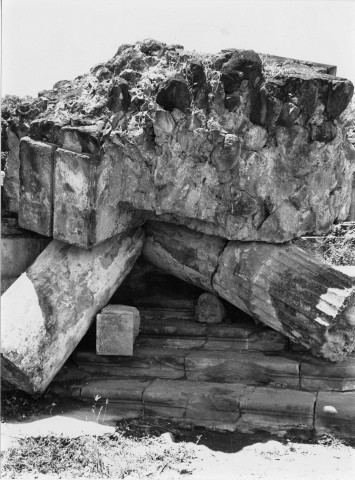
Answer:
(217, 264)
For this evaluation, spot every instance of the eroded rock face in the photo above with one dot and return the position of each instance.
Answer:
(228, 144)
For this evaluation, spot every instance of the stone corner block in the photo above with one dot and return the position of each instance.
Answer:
(117, 327)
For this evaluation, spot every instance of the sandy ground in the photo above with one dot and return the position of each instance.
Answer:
(271, 460)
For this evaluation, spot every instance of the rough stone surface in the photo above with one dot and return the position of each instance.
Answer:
(311, 303)
(209, 309)
(228, 144)
(117, 327)
(19, 249)
(47, 311)
(12, 181)
(36, 194)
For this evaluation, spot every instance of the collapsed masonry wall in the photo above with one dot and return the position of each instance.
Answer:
(235, 144)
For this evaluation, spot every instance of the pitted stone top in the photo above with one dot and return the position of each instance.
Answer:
(235, 144)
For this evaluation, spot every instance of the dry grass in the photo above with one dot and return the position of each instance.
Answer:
(111, 456)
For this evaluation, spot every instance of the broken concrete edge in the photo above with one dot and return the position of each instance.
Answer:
(233, 407)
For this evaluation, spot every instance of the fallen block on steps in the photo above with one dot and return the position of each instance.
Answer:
(209, 309)
(47, 311)
(310, 302)
(117, 327)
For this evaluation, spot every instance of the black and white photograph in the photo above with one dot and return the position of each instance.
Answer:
(177, 240)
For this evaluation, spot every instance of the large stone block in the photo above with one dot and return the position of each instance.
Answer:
(36, 181)
(117, 327)
(210, 168)
(87, 204)
(47, 311)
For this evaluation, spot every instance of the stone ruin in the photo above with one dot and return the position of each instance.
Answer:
(208, 165)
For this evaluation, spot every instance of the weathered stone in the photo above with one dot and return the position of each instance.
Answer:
(45, 130)
(247, 172)
(335, 413)
(117, 327)
(19, 249)
(36, 177)
(196, 73)
(88, 209)
(174, 93)
(209, 309)
(308, 96)
(282, 286)
(227, 155)
(255, 138)
(289, 114)
(326, 132)
(11, 181)
(243, 65)
(119, 97)
(80, 139)
(267, 108)
(152, 47)
(339, 97)
(47, 311)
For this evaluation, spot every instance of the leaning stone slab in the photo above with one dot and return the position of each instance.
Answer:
(281, 285)
(117, 327)
(36, 186)
(47, 311)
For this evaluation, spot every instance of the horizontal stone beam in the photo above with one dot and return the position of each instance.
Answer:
(281, 285)
(47, 311)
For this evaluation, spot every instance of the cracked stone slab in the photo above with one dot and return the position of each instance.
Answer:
(284, 287)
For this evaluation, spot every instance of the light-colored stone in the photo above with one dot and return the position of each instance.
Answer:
(11, 181)
(47, 311)
(87, 208)
(117, 327)
(36, 180)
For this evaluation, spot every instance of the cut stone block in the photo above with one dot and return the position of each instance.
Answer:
(232, 367)
(117, 327)
(12, 171)
(85, 214)
(74, 197)
(335, 413)
(209, 309)
(18, 251)
(36, 186)
(47, 311)
(276, 409)
(320, 375)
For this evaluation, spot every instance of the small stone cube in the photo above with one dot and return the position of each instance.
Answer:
(117, 327)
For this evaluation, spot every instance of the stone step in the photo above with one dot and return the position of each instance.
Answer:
(253, 368)
(232, 406)
(170, 328)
